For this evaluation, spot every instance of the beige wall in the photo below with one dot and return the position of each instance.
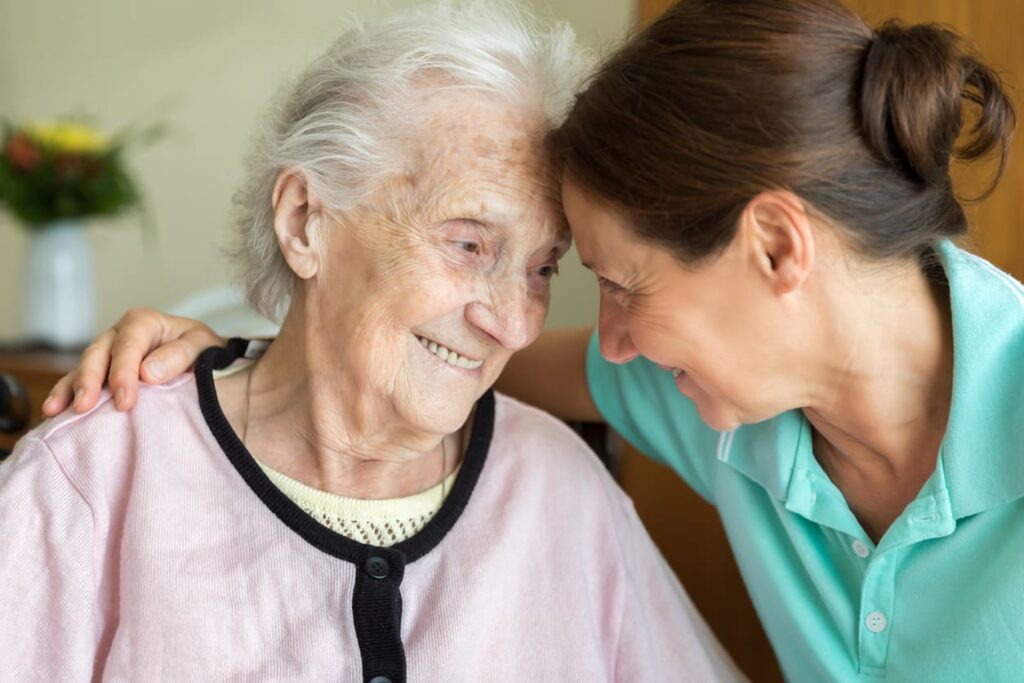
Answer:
(206, 68)
(6, 94)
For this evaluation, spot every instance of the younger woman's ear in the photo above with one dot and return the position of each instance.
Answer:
(779, 233)
(297, 218)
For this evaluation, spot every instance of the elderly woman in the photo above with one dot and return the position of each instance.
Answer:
(353, 502)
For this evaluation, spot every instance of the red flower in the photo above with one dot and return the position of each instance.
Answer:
(21, 152)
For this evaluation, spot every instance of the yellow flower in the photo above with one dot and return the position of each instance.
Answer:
(68, 137)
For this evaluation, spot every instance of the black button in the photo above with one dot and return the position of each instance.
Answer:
(378, 568)
(380, 679)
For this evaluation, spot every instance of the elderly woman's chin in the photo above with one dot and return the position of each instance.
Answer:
(441, 393)
(432, 411)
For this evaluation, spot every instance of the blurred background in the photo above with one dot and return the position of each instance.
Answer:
(205, 69)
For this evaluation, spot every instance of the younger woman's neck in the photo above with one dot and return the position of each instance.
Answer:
(884, 387)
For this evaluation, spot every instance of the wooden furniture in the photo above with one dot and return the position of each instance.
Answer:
(37, 371)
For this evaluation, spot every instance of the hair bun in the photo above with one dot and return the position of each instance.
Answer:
(914, 82)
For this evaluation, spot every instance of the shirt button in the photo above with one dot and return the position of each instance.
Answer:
(860, 549)
(380, 679)
(378, 568)
(876, 622)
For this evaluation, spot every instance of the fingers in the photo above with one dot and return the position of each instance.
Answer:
(172, 359)
(81, 387)
(60, 396)
(136, 336)
(185, 340)
(155, 347)
(89, 378)
(169, 345)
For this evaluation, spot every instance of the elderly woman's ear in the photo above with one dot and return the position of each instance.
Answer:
(298, 222)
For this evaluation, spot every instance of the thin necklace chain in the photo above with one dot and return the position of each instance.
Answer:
(248, 393)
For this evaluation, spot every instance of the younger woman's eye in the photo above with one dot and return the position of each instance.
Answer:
(612, 287)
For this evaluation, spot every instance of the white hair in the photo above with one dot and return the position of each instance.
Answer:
(334, 121)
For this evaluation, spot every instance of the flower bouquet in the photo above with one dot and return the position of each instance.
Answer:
(64, 170)
(54, 176)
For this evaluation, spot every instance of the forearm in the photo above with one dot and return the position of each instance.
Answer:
(551, 375)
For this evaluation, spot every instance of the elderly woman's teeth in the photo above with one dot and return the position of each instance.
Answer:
(676, 372)
(449, 356)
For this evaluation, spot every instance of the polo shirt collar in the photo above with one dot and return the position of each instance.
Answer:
(983, 449)
(778, 455)
(767, 452)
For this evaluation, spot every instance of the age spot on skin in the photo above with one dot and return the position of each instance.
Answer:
(484, 146)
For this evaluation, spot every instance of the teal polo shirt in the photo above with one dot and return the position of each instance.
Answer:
(941, 596)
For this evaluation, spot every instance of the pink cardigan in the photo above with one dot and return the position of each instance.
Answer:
(149, 546)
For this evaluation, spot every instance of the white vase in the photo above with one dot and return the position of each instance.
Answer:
(58, 291)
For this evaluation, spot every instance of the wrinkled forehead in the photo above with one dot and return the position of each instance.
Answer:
(475, 153)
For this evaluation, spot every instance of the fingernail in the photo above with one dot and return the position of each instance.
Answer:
(78, 396)
(119, 398)
(48, 403)
(155, 369)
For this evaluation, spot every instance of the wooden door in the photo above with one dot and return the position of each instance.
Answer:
(687, 529)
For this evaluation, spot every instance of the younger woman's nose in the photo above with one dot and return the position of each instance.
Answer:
(613, 334)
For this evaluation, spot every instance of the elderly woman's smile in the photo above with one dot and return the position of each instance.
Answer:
(450, 356)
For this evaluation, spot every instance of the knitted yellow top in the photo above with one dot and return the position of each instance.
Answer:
(375, 522)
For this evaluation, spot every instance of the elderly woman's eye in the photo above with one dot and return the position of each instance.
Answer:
(548, 271)
(470, 247)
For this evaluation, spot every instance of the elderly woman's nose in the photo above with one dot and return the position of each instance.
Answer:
(613, 333)
(509, 318)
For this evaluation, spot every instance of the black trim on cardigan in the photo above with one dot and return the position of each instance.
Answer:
(376, 598)
(332, 543)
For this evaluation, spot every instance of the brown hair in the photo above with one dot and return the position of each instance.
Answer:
(719, 100)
